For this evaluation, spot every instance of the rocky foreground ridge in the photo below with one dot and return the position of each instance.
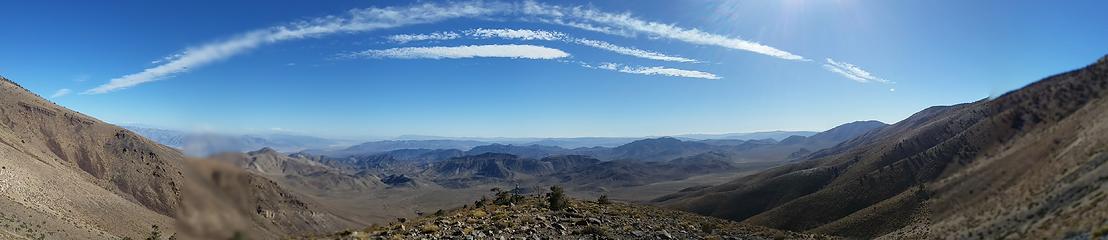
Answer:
(510, 216)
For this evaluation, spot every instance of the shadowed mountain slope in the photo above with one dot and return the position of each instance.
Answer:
(1028, 164)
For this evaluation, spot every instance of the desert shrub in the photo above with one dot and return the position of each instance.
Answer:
(556, 199)
(155, 234)
(1102, 232)
(708, 227)
(481, 203)
(506, 197)
(478, 213)
(594, 230)
(440, 213)
(603, 200)
(238, 236)
(429, 228)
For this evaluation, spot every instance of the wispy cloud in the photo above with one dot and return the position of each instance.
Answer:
(472, 51)
(588, 16)
(81, 78)
(358, 20)
(630, 51)
(589, 27)
(520, 34)
(61, 93)
(528, 34)
(852, 72)
(404, 38)
(370, 19)
(665, 71)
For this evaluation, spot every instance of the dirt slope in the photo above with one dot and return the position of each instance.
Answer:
(68, 175)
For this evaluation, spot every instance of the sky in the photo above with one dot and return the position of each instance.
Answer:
(363, 69)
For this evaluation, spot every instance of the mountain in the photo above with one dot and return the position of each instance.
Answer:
(657, 149)
(527, 151)
(1028, 164)
(299, 172)
(72, 176)
(668, 148)
(845, 132)
(369, 148)
(582, 142)
(775, 135)
(487, 166)
(204, 144)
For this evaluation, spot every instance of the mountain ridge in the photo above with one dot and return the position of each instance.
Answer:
(927, 174)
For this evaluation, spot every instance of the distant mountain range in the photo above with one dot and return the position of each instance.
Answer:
(775, 135)
(647, 150)
(204, 144)
(601, 147)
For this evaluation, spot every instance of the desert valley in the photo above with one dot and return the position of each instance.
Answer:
(579, 148)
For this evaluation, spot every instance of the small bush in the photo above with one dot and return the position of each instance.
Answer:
(478, 213)
(556, 199)
(238, 236)
(603, 200)
(506, 197)
(595, 231)
(1102, 232)
(481, 203)
(429, 228)
(155, 233)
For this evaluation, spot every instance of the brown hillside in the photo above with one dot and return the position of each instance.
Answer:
(1029, 163)
(69, 174)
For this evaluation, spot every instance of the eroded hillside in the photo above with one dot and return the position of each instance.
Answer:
(1028, 164)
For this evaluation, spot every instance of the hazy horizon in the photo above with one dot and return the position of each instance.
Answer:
(424, 136)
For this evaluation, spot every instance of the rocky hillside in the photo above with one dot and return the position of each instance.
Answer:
(530, 217)
(1028, 164)
(79, 178)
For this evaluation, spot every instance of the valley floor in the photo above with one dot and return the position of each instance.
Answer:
(385, 205)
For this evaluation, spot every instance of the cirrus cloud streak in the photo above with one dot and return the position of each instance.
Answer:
(471, 51)
(370, 19)
(527, 34)
(657, 70)
(852, 72)
(358, 20)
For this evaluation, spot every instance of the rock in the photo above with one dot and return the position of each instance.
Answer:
(666, 235)
(561, 227)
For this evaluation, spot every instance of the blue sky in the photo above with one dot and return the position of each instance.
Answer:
(598, 69)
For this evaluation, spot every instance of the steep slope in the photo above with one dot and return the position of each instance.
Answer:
(71, 173)
(1029, 164)
(220, 200)
(845, 132)
(61, 164)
